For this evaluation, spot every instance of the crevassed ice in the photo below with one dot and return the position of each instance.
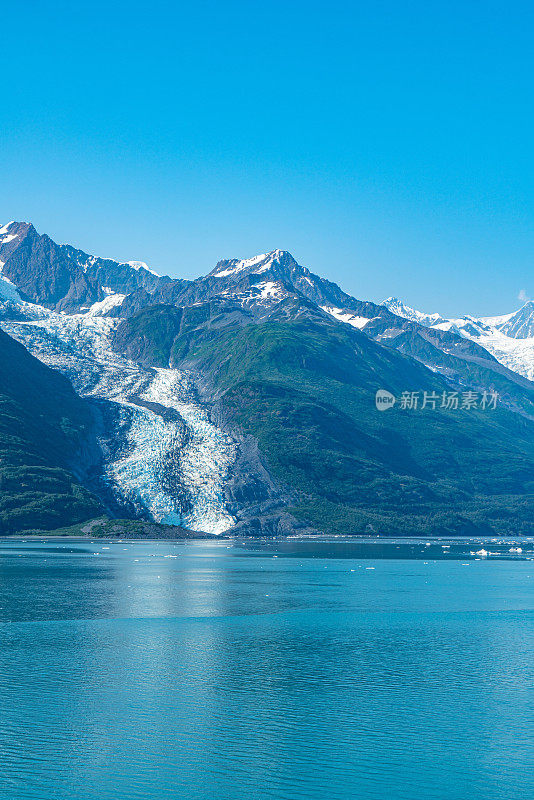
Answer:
(207, 455)
(153, 447)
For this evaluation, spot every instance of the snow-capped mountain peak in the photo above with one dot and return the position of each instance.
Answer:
(256, 264)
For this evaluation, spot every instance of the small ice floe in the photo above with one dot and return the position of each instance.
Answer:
(515, 550)
(370, 568)
(482, 552)
(445, 546)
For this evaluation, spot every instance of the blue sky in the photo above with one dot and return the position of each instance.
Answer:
(387, 145)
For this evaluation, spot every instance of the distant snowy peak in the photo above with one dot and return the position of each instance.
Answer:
(517, 325)
(397, 307)
(510, 337)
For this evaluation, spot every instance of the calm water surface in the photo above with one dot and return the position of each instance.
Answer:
(280, 670)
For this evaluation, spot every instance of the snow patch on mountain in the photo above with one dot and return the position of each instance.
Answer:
(84, 263)
(496, 322)
(5, 236)
(239, 266)
(269, 289)
(346, 316)
(104, 306)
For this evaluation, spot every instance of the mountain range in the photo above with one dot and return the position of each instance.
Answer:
(510, 338)
(244, 400)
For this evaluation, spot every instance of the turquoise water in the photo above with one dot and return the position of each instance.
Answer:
(284, 670)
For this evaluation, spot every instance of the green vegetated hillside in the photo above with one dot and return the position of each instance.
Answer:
(42, 424)
(106, 528)
(306, 390)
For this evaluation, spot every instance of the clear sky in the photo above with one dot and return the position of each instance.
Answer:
(387, 145)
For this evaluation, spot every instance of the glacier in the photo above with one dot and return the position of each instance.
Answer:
(163, 457)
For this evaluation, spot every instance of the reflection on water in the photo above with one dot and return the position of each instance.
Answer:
(285, 669)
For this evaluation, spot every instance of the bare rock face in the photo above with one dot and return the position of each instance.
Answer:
(60, 277)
